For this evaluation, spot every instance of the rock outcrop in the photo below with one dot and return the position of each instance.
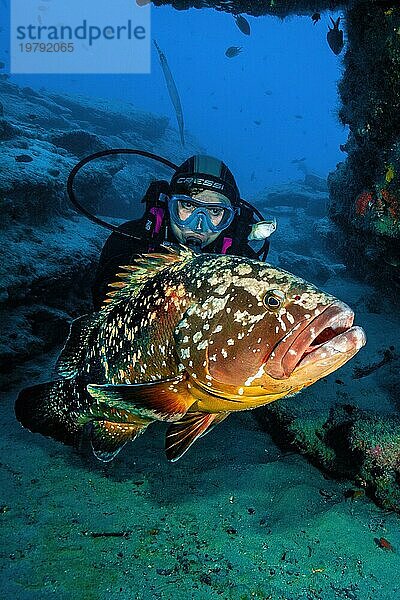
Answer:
(49, 252)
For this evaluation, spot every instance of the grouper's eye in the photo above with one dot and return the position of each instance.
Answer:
(274, 299)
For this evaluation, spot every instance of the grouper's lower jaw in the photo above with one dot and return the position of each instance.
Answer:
(329, 357)
(327, 339)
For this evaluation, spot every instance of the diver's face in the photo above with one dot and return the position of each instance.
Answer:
(185, 210)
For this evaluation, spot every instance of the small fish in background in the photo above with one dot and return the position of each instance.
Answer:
(233, 51)
(316, 17)
(2, 65)
(384, 544)
(390, 173)
(268, 92)
(242, 24)
(257, 122)
(298, 116)
(335, 37)
(172, 91)
(262, 230)
(353, 494)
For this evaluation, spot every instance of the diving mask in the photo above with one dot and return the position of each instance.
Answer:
(201, 217)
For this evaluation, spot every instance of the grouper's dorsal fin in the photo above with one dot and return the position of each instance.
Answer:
(143, 268)
(72, 354)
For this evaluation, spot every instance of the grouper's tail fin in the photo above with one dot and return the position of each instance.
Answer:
(43, 409)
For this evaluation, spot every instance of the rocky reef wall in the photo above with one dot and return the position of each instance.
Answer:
(365, 188)
(277, 8)
(49, 252)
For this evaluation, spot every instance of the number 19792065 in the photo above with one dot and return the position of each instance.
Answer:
(46, 47)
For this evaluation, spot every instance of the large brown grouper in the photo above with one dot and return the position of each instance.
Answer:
(188, 339)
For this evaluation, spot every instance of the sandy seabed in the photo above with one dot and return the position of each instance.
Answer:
(235, 518)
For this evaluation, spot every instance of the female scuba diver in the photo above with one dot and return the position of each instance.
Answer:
(200, 207)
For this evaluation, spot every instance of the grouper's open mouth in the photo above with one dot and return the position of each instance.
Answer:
(328, 338)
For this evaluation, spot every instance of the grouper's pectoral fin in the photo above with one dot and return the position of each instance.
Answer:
(182, 434)
(108, 438)
(164, 400)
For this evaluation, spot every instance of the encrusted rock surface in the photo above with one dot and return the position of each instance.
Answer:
(348, 423)
(365, 188)
(49, 253)
(279, 8)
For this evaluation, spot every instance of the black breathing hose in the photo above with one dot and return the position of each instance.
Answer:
(71, 177)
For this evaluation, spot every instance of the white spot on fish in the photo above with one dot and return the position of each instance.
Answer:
(259, 374)
(283, 326)
(243, 269)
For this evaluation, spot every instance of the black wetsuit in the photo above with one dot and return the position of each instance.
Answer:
(119, 251)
